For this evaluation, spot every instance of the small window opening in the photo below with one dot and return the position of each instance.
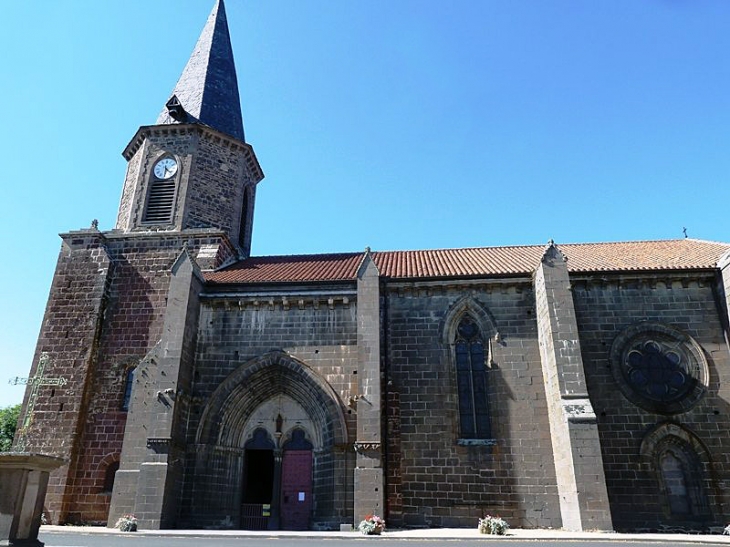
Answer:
(110, 474)
(244, 221)
(129, 382)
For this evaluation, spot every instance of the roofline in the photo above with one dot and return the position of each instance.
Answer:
(527, 246)
(516, 277)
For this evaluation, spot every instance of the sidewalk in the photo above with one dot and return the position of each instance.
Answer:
(428, 533)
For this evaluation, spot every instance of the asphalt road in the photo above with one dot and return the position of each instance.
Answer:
(54, 539)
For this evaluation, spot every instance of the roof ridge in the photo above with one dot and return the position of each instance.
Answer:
(624, 242)
(485, 247)
(707, 241)
(296, 255)
(472, 248)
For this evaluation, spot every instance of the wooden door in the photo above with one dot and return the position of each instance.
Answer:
(296, 489)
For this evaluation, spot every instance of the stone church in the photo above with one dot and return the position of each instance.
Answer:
(583, 386)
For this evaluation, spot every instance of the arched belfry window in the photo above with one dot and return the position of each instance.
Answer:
(161, 194)
(244, 221)
(471, 379)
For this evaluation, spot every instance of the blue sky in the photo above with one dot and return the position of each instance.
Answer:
(411, 124)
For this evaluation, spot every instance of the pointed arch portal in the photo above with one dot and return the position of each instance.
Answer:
(268, 437)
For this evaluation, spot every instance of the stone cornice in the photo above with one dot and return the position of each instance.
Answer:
(192, 129)
(652, 280)
(282, 302)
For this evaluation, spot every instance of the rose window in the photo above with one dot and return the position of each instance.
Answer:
(659, 368)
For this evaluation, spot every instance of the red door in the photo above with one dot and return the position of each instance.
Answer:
(296, 489)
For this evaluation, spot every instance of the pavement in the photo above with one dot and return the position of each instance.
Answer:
(425, 533)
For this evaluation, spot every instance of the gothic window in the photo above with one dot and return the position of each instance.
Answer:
(128, 383)
(678, 461)
(161, 194)
(471, 379)
(680, 475)
(675, 483)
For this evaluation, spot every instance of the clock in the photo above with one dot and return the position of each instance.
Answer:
(165, 168)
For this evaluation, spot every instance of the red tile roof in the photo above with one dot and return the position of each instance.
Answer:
(675, 254)
(296, 268)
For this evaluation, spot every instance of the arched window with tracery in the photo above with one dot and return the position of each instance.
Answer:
(471, 380)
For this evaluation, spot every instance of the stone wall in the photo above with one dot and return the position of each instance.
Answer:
(104, 314)
(308, 341)
(53, 414)
(135, 309)
(606, 307)
(220, 174)
(433, 480)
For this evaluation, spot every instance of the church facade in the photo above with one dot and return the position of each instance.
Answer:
(583, 386)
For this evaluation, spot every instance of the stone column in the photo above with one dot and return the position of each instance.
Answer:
(573, 429)
(23, 485)
(369, 480)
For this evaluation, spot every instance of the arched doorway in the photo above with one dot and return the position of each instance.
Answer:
(277, 487)
(291, 409)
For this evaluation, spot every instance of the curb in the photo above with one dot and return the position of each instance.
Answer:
(425, 534)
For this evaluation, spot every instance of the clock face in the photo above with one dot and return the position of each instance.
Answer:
(165, 168)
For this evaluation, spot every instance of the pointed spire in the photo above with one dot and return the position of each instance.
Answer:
(208, 89)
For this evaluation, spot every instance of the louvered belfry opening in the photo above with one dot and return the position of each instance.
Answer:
(160, 201)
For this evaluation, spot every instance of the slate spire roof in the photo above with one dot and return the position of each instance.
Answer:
(208, 87)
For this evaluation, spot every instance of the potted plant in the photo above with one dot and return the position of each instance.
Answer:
(493, 525)
(127, 523)
(372, 525)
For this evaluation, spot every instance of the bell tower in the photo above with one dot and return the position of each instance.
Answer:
(193, 169)
(187, 205)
